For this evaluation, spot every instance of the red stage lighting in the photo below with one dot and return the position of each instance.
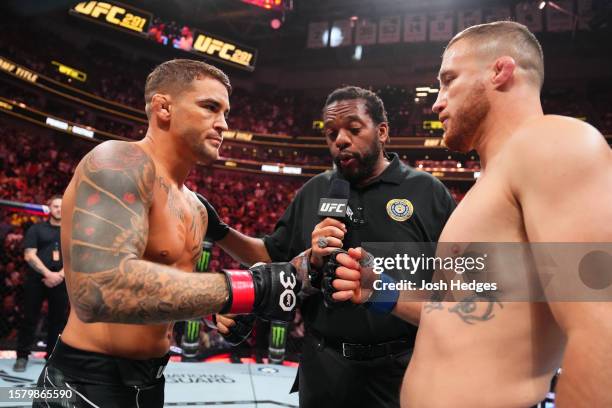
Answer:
(267, 4)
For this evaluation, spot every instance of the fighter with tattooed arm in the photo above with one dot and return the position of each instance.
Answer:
(130, 232)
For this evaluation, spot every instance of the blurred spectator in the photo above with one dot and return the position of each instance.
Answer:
(156, 32)
(45, 280)
(186, 40)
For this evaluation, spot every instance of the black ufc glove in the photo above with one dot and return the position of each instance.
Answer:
(329, 275)
(267, 290)
(377, 301)
(217, 229)
(241, 330)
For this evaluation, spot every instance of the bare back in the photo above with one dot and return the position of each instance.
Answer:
(175, 229)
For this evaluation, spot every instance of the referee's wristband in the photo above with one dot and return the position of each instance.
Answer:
(383, 301)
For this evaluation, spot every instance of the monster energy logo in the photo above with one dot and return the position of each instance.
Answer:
(278, 336)
(192, 331)
(202, 264)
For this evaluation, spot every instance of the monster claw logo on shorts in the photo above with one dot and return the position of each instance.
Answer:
(400, 209)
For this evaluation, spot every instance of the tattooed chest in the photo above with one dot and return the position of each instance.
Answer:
(176, 229)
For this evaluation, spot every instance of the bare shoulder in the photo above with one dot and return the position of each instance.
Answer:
(117, 164)
(194, 201)
(116, 155)
(191, 196)
(554, 152)
(554, 139)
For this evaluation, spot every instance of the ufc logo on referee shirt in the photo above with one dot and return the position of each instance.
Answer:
(287, 299)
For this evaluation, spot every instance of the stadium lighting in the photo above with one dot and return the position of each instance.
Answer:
(275, 24)
(542, 5)
(421, 94)
(422, 89)
(334, 36)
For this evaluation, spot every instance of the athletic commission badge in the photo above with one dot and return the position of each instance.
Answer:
(400, 209)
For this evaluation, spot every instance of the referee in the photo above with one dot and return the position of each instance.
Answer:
(352, 356)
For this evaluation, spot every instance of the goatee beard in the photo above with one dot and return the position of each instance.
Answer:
(365, 168)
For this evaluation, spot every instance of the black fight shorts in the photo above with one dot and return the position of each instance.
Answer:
(100, 380)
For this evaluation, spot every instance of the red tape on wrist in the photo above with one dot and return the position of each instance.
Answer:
(243, 292)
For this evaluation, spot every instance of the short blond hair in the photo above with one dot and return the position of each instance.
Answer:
(510, 38)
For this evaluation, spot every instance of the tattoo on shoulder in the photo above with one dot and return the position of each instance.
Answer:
(110, 220)
(114, 192)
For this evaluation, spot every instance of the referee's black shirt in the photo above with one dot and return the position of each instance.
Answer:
(432, 205)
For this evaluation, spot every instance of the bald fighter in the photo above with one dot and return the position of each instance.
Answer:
(131, 231)
(544, 178)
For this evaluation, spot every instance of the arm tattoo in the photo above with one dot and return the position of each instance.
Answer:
(111, 282)
(34, 261)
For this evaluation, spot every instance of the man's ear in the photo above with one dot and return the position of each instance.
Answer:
(383, 132)
(503, 72)
(161, 106)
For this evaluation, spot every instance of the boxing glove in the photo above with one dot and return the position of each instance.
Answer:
(268, 290)
(217, 229)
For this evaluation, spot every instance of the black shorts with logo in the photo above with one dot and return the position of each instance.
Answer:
(100, 380)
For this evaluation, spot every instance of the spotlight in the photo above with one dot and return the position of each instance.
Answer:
(275, 24)
(358, 53)
(542, 5)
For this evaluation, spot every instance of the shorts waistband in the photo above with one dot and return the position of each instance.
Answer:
(106, 369)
